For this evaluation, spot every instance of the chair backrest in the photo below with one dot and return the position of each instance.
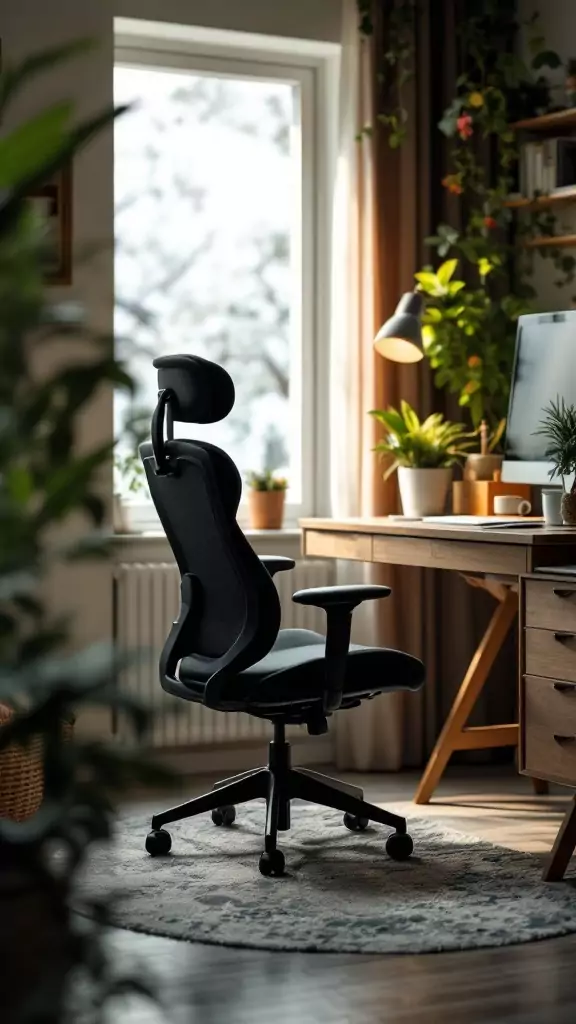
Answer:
(196, 489)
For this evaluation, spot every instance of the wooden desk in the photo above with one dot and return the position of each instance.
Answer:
(494, 560)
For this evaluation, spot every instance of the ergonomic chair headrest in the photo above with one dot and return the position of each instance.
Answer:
(200, 391)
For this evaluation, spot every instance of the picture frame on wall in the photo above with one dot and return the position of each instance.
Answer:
(53, 204)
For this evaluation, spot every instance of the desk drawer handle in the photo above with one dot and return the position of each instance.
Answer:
(563, 638)
(564, 687)
(564, 739)
(564, 594)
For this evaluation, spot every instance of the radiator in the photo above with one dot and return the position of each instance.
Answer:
(147, 600)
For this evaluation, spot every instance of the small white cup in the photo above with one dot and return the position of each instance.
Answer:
(511, 505)
(551, 505)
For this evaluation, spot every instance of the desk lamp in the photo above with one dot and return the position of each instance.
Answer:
(400, 338)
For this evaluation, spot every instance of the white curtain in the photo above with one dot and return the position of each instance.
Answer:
(352, 278)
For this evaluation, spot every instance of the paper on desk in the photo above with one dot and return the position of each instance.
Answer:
(486, 522)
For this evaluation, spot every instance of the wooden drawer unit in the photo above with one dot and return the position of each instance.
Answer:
(550, 604)
(550, 653)
(549, 729)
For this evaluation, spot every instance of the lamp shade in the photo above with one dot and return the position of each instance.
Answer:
(400, 338)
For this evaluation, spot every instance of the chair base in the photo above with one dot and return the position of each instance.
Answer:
(278, 783)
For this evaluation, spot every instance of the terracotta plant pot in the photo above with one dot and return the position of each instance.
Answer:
(482, 467)
(568, 508)
(266, 509)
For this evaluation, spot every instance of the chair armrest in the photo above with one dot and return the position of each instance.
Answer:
(341, 596)
(276, 563)
(338, 602)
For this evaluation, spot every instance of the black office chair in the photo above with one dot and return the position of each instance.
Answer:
(226, 649)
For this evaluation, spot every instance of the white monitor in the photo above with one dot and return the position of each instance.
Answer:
(544, 370)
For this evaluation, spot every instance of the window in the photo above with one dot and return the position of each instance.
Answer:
(214, 222)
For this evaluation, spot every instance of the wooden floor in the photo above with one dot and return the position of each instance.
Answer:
(532, 983)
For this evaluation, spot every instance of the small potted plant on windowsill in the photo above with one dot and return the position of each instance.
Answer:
(559, 429)
(424, 454)
(266, 500)
(129, 478)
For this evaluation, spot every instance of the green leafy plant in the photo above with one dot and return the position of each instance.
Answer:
(129, 474)
(490, 442)
(559, 429)
(434, 443)
(266, 481)
(398, 60)
(47, 482)
(465, 337)
(471, 321)
(571, 81)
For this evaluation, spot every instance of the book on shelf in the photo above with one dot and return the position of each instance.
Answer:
(547, 166)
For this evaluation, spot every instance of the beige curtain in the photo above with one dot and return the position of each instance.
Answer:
(381, 216)
(388, 732)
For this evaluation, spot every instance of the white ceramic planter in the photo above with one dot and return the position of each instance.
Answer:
(119, 515)
(423, 491)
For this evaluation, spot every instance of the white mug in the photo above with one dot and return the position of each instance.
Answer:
(552, 505)
(511, 505)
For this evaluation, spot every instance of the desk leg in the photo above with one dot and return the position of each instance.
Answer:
(563, 847)
(450, 738)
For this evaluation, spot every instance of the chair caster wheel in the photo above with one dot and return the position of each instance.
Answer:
(224, 815)
(158, 842)
(355, 823)
(399, 846)
(271, 863)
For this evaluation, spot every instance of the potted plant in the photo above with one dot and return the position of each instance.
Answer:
(487, 463)
(559, 429)
(266, 500)
(50, 484)
(423, 453)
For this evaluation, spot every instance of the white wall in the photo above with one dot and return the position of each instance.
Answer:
(27, 26)
(558, 23)
(300, 19)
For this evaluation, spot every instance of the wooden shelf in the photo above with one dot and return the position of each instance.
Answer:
(522, 202)
(554, 241)
(548, 122)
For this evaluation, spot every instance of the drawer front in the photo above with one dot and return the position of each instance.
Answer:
(550, 605)
(325, 544)
(550, 653)
(549, 729)
(463, 556)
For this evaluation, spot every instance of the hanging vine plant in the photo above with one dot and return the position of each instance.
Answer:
(471, 307)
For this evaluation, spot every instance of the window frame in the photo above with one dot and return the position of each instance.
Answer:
(315, 71)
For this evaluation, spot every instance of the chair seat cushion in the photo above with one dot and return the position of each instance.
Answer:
(293, 672)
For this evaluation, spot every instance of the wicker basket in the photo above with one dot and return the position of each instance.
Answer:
(22, 774)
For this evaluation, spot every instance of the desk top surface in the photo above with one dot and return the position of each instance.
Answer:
(382, 525)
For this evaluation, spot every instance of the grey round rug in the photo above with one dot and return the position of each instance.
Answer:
(341, 892)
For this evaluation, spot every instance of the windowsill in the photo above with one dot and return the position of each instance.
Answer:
(152, 545)
(284, 533)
